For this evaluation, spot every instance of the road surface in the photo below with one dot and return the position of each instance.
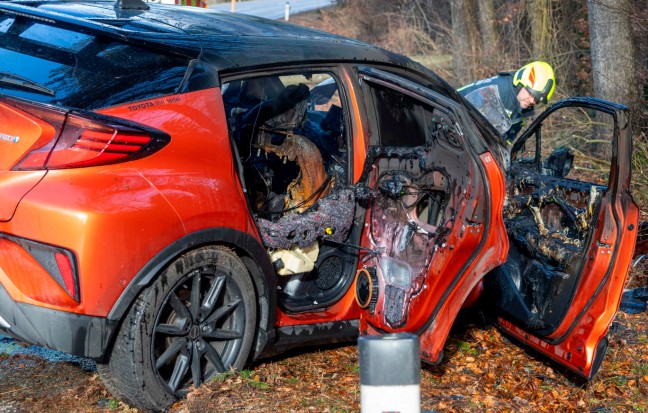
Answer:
(273, 9)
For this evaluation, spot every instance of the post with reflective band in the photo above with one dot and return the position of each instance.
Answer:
(390, 373)
(287, 11)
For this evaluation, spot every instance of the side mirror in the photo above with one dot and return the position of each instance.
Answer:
(558, 163)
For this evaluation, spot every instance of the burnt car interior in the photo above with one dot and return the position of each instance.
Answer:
(292, 138)
(556, 182)
(412, 210)
(292, 142)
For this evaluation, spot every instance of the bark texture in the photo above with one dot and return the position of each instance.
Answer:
(464, 32)
(489, 37)
(540, 17)
(613, 64)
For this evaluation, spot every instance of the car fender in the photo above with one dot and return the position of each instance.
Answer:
(246, 246)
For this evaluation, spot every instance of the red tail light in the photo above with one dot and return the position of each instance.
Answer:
(84, 139)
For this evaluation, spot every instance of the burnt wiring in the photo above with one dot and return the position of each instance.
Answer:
(418, 193)
(369, 251)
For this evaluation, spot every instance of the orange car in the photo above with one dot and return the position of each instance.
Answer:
(182, 191)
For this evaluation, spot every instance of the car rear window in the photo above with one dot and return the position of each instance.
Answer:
(65, 67)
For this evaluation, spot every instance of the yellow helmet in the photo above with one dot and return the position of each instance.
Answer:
(537, 78)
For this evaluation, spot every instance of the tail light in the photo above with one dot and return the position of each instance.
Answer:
(82, 139)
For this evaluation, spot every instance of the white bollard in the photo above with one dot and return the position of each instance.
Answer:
(390, 373)
(233, 6)
(287, 11)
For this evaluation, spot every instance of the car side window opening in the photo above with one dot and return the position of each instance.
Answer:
(291, 136)
(412, 127)
(559, 176)
(574, 143)
(402, 119)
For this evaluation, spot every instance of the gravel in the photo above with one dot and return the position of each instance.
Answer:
(9, 346)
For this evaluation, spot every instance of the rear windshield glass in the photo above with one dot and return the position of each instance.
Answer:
(65, 67)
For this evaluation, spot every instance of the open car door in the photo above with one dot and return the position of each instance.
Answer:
(572, 226)
(434, 224)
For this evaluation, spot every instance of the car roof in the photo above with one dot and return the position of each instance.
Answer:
(228, 40)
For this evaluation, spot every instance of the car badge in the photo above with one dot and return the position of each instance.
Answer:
(9, 138)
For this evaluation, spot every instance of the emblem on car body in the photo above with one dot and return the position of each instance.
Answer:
(10, 138)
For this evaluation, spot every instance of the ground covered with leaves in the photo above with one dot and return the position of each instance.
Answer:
(482, 371)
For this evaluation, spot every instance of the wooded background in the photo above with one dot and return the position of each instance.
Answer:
(597, 47)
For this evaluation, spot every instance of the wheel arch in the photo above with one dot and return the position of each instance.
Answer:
(249, 250)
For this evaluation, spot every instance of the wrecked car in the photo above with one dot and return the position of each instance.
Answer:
(183, 191)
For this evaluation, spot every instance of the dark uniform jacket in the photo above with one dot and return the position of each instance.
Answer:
(502, 84)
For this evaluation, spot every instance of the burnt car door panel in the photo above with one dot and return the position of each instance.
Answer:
(434, 211)
(571, 223)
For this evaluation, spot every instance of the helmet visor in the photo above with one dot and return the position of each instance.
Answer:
(541, 96)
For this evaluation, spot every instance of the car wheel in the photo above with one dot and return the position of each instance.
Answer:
(197, 320)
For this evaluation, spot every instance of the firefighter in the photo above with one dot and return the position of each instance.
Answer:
(518, 93)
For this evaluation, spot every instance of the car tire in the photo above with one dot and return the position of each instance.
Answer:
(196, 321)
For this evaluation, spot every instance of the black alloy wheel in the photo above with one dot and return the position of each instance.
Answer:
(199, 330)
(197, 320)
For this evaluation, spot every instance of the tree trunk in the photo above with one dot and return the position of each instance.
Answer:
(489, 38)
(540, 16)
(613, 65)
(463, 30)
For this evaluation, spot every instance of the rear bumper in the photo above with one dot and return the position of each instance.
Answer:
(81, 335)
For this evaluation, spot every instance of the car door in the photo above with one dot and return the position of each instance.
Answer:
(572, 225)
(434, 193)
